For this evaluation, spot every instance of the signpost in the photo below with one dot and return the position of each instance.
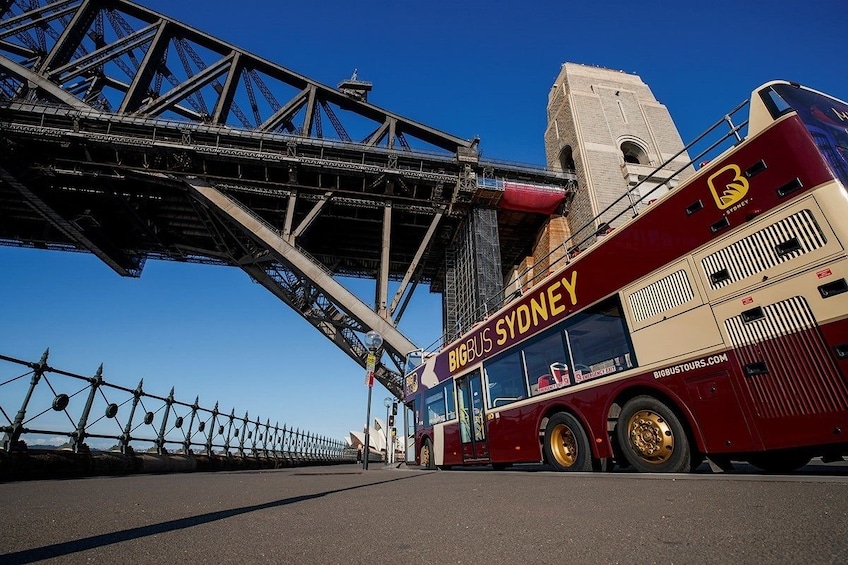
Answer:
(373, 341)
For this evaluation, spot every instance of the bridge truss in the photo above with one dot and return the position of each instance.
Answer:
(130, 135)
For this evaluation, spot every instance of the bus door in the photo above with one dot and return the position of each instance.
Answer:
(472, 418)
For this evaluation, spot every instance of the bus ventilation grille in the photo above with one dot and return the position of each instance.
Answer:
(661, 296)
(784, 240)
(788, 368)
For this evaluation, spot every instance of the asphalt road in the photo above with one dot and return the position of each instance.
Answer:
(385, 515)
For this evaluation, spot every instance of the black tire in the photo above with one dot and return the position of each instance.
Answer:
(426, 455)
(651, 437)
(500, 466)
(780, 461)
(566, 445)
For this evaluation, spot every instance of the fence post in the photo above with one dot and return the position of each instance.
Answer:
(276, 439)
(126, 437)
(187, 442)
(229, 433)
(254, 436)
(11, 438)
(212, 430)
(297, 444)
(243, 435)
(78, 436)
(160, 440)
(265, 437)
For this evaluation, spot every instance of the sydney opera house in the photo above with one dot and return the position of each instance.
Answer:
(377, 440)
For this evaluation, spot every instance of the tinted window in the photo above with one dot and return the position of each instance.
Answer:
(548, 367)
(599, 342)
(439, 404)
(505, 378)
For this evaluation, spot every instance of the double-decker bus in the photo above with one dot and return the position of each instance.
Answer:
(712, 326)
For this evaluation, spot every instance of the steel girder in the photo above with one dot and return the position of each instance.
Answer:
(299, 281)
(126, 58)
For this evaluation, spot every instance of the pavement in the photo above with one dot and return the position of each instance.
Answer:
(403, 514)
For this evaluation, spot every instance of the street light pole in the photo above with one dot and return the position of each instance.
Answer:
(373, 341)
(387, 402)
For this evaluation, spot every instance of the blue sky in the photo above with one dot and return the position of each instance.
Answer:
(468, 68)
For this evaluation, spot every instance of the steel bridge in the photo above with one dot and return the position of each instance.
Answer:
(129, 135)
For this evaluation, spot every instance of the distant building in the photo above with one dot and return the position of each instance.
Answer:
(376, 441)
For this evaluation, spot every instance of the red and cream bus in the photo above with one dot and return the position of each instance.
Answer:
(714, 325)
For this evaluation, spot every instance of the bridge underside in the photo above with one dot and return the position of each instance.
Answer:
(131, 171)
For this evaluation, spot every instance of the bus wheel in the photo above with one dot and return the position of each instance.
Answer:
(566, 445)
(427, 460)
(651, 437)
(780, 461)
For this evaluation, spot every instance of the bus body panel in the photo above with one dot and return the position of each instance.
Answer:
(453, 447)
(511, 437)
(439, 443)
(718, 414)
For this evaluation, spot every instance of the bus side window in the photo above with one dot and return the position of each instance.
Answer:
(440, 404)
(547, 364)
(506, 380)
(599, 342)
(450, 400)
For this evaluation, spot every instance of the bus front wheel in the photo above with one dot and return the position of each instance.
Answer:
(426, 455)
(651, 437)
(566, 444)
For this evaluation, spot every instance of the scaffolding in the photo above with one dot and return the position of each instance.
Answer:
(473, 278)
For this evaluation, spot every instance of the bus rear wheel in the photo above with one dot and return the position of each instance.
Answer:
(426, 455)
(651, 437)
(566, 444)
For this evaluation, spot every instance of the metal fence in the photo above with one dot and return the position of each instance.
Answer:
(42, 407)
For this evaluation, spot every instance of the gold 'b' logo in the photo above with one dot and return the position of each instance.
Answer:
(734, 189)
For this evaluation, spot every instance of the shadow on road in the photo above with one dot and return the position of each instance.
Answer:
(66, 548)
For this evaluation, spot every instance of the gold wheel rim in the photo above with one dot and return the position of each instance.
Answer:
(651, 436)
(564, 445)
(425, 455)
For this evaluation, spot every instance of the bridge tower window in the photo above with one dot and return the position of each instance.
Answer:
(634, 154)
(566, 159)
